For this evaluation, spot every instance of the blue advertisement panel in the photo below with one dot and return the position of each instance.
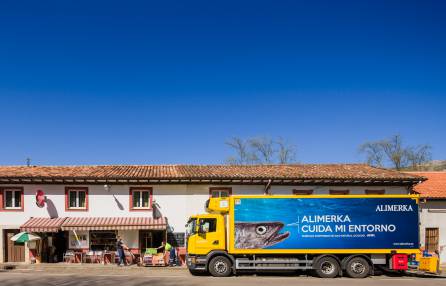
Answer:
(325, 223)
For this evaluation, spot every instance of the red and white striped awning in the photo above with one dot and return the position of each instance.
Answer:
(114, 223)
(42, 224)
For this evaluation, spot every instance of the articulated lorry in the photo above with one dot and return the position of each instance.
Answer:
(331, 235)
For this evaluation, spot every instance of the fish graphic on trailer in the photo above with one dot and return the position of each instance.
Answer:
(250, 235)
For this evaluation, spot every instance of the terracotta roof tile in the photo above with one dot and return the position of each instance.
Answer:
(359, 172)
(434, 186)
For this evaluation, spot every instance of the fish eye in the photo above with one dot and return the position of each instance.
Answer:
(261, 229)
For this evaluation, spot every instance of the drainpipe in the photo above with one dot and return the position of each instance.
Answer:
(267, 187)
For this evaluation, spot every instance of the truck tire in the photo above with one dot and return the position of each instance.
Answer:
(357, 267)
(327, 267)
(197, 272)
(220, 266)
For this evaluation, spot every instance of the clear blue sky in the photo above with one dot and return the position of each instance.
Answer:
(105, 82)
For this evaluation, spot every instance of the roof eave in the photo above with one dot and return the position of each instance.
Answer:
(211, 180)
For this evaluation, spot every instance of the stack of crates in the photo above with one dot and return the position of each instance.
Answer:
(147, 259)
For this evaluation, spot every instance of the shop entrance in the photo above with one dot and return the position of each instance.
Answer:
(150, 239)
(60, 244)
(14, 251)
(50, 248)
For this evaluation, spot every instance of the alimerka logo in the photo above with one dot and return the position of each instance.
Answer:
(394, 208)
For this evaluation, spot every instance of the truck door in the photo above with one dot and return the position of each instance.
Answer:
(211, 235)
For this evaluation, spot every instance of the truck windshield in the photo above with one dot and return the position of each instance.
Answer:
(190, 227)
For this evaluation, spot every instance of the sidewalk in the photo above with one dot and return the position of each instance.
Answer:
(87, 268)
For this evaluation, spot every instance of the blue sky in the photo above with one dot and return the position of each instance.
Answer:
(141, 82)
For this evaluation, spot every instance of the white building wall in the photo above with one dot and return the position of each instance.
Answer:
(433, 214)
(176, 202)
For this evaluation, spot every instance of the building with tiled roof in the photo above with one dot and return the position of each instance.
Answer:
(281, 174)
(433, 211)
(83, 208)
(434, 187)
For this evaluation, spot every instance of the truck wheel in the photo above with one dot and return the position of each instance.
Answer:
(197, 272)
(327, 267)
(357, 267)
(220, 266)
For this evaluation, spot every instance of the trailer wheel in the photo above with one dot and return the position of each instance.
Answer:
(327, 267)
(220, 266)
(357, 267)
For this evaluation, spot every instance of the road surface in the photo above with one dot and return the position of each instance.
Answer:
(182, 277)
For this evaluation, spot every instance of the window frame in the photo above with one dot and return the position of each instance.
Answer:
(77, 190)
(214, 221)
(339, 192)
(307, 192)
(3, 201)
(219, 189)
(375, 192)
(140, 189)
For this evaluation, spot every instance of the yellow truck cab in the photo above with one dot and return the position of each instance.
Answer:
(206, 235)
(330, 235)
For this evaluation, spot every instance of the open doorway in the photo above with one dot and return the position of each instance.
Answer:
(60, 244)
(150, 239)
(52, 246)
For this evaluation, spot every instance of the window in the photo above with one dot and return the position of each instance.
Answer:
(12, 198)
(76, 198)
(190, 227)
(140, 198)
(80, 240)
(339, 192)
(220, 192)
(302, 192)
(103, 240)
(208, 225)
(431, 239)
(375, 192)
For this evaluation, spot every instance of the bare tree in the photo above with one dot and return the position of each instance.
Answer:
(260, 150)
(393, 151)
(418, 156)
(286, 152)
(374, 153)
(239, 146)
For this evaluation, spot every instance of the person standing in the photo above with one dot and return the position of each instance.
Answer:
(164, 249)
(121, 247)
(172, 257)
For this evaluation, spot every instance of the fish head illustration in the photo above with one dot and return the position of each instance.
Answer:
(258, 234)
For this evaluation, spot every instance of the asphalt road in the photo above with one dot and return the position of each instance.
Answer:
(117, 278)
